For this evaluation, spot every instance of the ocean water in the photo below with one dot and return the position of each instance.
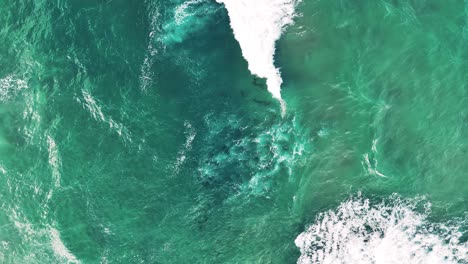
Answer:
(233, 131)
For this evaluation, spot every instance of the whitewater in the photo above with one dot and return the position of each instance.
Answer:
(257, 25)
(391, 232)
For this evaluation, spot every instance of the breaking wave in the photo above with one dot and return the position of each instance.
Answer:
(59, 248)
(393, 231)
(257, 25)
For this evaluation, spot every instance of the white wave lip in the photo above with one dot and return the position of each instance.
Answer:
(386, 233)
(257, 25)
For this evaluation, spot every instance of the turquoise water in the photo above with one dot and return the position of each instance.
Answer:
(133, 132)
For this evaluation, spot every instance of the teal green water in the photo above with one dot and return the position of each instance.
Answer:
(131, 133)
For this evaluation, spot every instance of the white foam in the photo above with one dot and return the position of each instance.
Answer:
(257, 25)
(90, 104)
(190, 134)
(54, 160)
(188, 18)
(59, 248)
(40, 238)
(389, 232)
(2, 169)
(147, 75)
(181, 13)
(9, 86)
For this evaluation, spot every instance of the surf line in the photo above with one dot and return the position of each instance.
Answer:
(257, 25)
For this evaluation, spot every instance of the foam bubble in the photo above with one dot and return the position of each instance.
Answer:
(257, 25)
(393, 231)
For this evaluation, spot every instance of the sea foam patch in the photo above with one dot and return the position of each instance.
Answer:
(257, 25)
(393, 231)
